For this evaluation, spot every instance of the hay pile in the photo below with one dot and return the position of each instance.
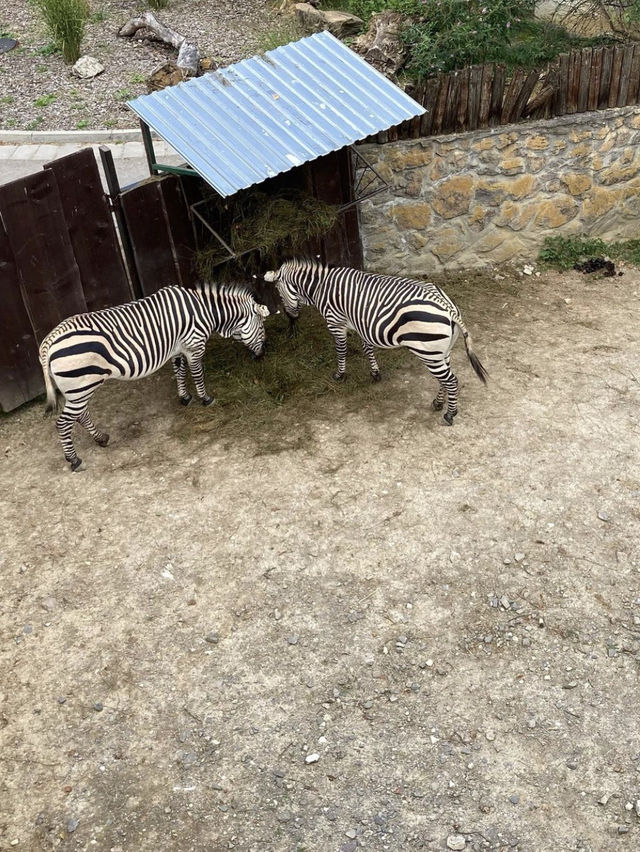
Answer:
(269, 227)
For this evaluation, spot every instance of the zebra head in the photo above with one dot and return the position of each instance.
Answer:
(250, 328)
(287, 290)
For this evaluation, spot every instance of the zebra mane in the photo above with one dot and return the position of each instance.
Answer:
(232, 288)
(308, 264)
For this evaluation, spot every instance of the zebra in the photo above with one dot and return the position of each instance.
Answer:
(386, 311)
(134, 340)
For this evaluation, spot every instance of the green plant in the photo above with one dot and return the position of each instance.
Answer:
(564, 252)
(287, 31)
(65, 20)
(48, 49)
(35, 124)
(7, 99)
(122, 94)
(45, 100)
(158, 4)
(137, 78)
(443, 35)
(84, 122)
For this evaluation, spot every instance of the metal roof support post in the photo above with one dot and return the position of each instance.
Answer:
(113, 185)
(148, 147)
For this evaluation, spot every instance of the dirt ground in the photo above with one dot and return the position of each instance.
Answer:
(357, 629)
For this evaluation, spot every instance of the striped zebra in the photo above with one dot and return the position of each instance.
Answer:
(386, 311)
(134, 340)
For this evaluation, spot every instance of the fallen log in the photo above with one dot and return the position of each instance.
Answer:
(188, 54)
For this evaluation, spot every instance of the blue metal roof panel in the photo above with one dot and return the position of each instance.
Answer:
(240, 125)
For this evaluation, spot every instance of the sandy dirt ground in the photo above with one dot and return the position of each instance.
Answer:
(357, 629)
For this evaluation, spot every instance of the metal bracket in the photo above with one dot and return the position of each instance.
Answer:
(368, 181)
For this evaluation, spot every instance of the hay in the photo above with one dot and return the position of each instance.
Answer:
(271, 226)
(292, 378)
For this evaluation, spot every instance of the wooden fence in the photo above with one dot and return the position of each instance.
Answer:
(483, 96)
(60, 254)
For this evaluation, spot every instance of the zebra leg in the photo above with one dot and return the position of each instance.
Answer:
(340, 338)
(438, 402)
(64, 426)
(194, 358)
(180, 372)
(449, 383)
(101, 438)
(373, 364)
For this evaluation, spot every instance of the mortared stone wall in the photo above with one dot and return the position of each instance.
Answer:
(489, 196)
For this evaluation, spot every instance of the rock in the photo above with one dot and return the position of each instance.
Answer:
(167, 74)
(72, 824)
(456, 841)
(514, 799)
(98, 706)
(604, 517)
(49, 603)
(293, 639)
(312, 758)
(212, 638)
(351, 833)
(7, 44)
(309, 18)
(87, 67)
(382, 45)
(340, 24)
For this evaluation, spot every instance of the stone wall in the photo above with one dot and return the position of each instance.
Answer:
(489, 196)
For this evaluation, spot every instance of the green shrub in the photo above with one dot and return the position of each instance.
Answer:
(158, 4)
(65, 20)
(564, 252)
(444, 35)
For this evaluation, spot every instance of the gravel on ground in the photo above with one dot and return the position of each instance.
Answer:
(39, 92)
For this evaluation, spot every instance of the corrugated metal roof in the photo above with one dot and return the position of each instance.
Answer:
(262, 116)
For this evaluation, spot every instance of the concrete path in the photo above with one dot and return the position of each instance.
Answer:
(22, 154)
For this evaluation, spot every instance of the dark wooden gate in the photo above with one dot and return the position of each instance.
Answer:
(59, 256)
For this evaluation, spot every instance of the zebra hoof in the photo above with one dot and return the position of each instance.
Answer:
(339, 377)
(75, 464)
(206, 400)
(103, 440)
(185, 400)
(448, 418)
(376, 377)
(437, 405)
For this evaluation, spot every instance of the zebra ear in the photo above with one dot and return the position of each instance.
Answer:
(270, 275)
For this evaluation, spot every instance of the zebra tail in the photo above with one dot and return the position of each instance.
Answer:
(52, 390)
(475, 362)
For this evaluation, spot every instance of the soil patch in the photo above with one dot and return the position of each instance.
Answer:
(344, 625)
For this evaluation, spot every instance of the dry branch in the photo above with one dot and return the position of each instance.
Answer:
(188, 55)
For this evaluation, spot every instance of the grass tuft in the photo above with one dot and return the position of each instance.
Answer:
(65, 20)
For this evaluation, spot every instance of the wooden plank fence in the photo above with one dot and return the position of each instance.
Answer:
(60, 255)
(482, 95)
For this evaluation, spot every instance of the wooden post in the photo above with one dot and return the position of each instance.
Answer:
(113, 185)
